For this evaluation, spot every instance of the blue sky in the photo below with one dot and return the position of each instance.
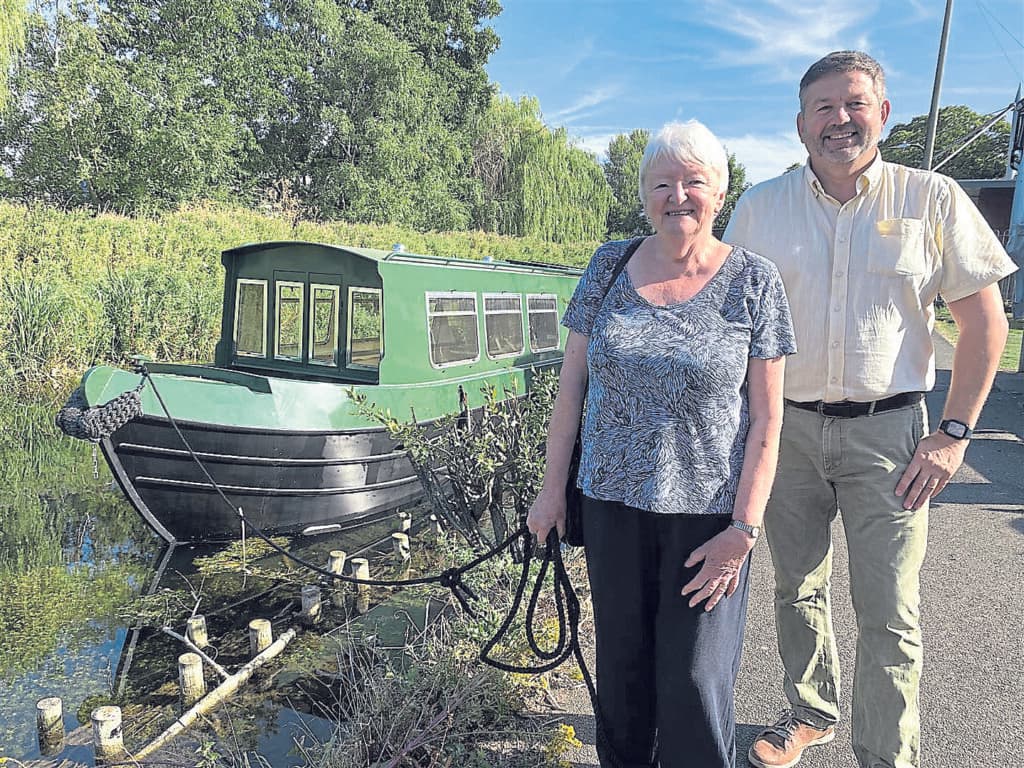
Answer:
(604, 67)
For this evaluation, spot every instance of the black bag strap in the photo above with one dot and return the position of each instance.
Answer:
(621, 265)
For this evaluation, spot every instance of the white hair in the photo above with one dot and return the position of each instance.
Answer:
(689, 142)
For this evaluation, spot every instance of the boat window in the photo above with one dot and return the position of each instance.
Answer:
(451, 318)
(364, 327)
(503, 324)
(251, 318)
(289, 321)
(543, 315)
(323, 324)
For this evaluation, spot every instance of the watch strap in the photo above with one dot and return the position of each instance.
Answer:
(751, 530)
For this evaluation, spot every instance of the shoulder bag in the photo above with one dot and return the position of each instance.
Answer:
(573, 495)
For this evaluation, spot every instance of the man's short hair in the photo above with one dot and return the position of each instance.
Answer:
(845, 61)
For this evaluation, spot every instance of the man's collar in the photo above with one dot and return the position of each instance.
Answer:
(868, 178)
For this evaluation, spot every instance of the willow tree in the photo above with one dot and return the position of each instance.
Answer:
(13, 17)
(534, 181)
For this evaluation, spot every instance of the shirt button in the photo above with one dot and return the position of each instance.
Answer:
(835, 308)
(835, 345)
(835, 380)
(839, 273)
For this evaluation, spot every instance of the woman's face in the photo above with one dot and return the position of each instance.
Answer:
(682, 198)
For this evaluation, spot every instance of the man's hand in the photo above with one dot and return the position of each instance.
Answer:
(937, 458)
(723, 557)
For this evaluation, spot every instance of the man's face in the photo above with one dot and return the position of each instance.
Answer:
(841, 120)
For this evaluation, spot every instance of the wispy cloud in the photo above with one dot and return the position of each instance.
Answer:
(923, 10)
(583, 105)
(765, 156)
(580, 52)
(779, 32)
(596, 144)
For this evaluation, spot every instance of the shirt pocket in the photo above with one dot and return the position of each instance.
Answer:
(897, 247)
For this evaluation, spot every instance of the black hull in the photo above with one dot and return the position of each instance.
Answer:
(285, 482)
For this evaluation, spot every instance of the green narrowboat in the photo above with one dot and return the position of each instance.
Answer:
(272, 421)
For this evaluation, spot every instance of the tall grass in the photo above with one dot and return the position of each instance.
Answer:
(77, 289)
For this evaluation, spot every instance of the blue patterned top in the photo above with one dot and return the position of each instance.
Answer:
(666, 418)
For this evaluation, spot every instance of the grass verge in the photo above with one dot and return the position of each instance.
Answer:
(1011, 352)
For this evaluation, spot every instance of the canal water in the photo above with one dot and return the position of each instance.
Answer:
(73, 555)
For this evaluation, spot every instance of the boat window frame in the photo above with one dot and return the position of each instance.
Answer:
(239, 282)
(529, 313)
(522, 336)
(349, 326)
(311, 356)
(278, 285)
(428, 295)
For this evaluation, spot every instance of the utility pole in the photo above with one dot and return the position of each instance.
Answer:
(933, 114)
(1015, 116)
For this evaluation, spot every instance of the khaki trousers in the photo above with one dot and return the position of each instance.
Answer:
(851, 465)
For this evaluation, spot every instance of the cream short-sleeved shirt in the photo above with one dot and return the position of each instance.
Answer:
(862, 276)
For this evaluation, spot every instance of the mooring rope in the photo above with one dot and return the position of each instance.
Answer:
(104, 420)
(77, 419)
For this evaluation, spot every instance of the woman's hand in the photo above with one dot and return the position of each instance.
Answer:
(547, 512)
(723, 556)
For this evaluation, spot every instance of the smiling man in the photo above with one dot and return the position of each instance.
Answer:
(864, 247)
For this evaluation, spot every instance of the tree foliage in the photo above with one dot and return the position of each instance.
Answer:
(532, 180)
(347, 110)
(983, 159)
(737, 186)
(13, 16)
(622, 171)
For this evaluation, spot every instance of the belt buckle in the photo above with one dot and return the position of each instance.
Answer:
(841, 410)
(820, 408)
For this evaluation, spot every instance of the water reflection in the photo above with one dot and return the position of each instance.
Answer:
(74, 554)
(71, 551)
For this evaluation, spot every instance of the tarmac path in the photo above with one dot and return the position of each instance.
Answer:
(973, 615)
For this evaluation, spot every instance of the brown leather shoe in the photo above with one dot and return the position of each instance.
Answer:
(781, 745)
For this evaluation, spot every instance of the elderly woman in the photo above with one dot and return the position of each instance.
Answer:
(680, 361)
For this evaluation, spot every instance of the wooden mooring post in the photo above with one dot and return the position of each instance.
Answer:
(361, 570)
(107, 740)
(400, 547)
(336, 564)
(402, 554)
(311, 606)
(261, 635)
(404, 522)
(195, 630)
(50, 725)
(191, 679)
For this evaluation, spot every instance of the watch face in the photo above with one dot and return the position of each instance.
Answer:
(955, 429)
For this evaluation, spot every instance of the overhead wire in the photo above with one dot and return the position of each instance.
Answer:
(988, 16)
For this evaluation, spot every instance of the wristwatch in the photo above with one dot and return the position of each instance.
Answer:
(753, 531)
(955, 429)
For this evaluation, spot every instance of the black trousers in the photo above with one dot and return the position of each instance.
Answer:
(665, 671)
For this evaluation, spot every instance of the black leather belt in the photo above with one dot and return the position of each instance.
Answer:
(850, 410)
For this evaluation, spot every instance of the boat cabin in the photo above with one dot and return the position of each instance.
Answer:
(365, 316)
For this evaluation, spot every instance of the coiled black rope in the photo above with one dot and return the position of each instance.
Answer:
(77, 419)
(567, 604)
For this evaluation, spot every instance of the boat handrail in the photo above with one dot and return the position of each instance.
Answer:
(249, 381)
